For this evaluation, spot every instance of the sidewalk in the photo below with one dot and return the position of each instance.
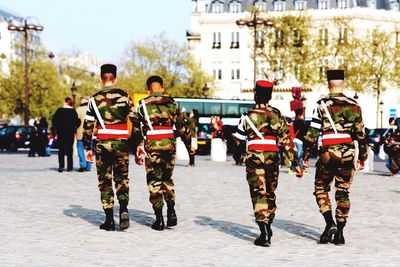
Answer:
(52, 219)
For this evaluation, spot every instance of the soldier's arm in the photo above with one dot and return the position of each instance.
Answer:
(312, 134)
(88, 127)
(360, 136)
(286, 141)
(181, 127)
(137, 122)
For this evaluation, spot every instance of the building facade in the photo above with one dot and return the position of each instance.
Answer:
(225, 50)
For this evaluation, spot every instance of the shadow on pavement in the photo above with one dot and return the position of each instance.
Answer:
(298, 229)
(97, 217)
(234, 229)
(395, 191)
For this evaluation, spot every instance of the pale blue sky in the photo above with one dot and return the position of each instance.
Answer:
(104, 28)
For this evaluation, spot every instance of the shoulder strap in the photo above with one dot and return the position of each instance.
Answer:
(146, 114)
(329, 116)
(96, 110)
(253, 127)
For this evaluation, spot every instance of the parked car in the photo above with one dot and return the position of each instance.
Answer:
(376, 136)
(13, 137)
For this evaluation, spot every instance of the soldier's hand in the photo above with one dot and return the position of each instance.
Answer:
(360, 165)
(140, 152)
(89, 156)
(192, 151)
(306, 163)
(299, 171)
(139, 161)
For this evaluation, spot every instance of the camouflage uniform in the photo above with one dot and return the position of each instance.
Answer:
(336, 160)
(112, 151)
(262, 167)
(160, 160)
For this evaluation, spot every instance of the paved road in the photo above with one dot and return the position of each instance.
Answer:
(52, 219)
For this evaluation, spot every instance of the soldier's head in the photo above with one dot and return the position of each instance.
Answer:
(155, 84)
(108, 74)
(335, 79)
(263, 91)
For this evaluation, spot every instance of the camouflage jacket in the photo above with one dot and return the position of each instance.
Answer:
(162, 111)
(347, 118)
(115, 107)
(269, 121)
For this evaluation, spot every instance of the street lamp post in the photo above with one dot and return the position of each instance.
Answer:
(254, 22)
(25, 28)
(381, 107)
(205, 90)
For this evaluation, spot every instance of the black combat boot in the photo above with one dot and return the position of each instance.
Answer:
(339, 238)
(172, 220)
(159, 223)
(330, 228)
(123, 215)
(265, 230)
(109, 224)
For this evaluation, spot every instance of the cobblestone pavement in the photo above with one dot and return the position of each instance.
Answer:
(52, 219)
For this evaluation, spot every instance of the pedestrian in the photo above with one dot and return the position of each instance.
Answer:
(42, 130)
(108, 111)
(84, 165)
(263, 126)
(216, 124)
(192, 122)
(65, 122)
(339, 119)
(157, 115)
(299, 131)
(392, 148)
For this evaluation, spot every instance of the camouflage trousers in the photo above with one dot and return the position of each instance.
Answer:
(338, 166)
(159, 169)
(262, 170)
(112, 162)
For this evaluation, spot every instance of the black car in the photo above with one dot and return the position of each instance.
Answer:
(13, 137)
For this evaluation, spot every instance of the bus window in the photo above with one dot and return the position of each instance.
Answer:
(230, 109)
(245, 107)
(212, 108)
(189, 106)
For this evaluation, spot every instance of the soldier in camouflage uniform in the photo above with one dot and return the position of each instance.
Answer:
(264, 126)
(157, 115)
(108, 110)
(339, 120)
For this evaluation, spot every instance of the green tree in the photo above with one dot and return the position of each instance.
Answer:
(375, 65)
(46, 89)
(161, 56)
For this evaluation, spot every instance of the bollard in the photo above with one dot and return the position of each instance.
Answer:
(181, 151)
(218, 150)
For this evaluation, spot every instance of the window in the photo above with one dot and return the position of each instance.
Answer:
(212, 108)
(279, 6)
(323, 64)
(298, 39)
(234, 40)
(216, 40)
(235, 71)
(217, 7)
(342, 35)
(372, 4)
(235, 7)
(278, 74)
(397, 38)
(278, 38)
(342, 4)
(323, 36)
(261, 6)
(217, 72)
(300, 5)
(261, 69)
(323, 4)
(230, 109)
(260, 39)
